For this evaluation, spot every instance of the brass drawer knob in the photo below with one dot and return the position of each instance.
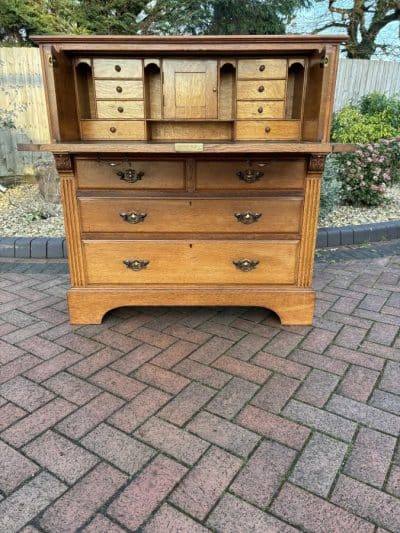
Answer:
(118, 68)
(245, 265)
(261, 89)
(136, 264)
(248, 217)
(260, 109)
(133, 217)
(262, 68)
(113, 129)
(250, 175)
(118, 89)
(130, 175)
(267, 129)
(120, 109)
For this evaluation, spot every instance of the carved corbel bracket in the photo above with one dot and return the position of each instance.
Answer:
(63, 162)
(316, 163)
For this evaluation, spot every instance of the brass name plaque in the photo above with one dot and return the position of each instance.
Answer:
(189, 147)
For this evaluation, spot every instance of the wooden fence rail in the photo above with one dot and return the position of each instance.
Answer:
(22, 99)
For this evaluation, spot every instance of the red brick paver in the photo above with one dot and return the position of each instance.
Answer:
(167, 420)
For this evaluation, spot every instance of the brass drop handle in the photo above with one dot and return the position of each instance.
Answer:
(118, 89)
(120, 109)
(113, 129)
(245, 265)
(130, 175)
(260, 109)
(118, 68)
(250, 175)
(267, 129)
(136, 264)
(261, 89)
(262, 68)
(133, 217)
(248, 217)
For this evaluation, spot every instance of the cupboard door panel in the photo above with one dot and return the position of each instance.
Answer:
(190, 89)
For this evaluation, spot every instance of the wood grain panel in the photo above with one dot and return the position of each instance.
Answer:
(117, 68)
(118, 89)
(202, 262)
(262, 68)
(120, 109)
(278, 215)
(309, 230)
(195, 131)
(158, 175)
(260, 89)
(279, 174)
(269, 130)
(72, 229)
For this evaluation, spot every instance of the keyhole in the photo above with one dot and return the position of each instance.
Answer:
(190, 245)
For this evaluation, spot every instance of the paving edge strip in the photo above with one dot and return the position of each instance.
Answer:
(56, 247)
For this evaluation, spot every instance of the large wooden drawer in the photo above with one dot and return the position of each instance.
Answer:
(277, 130)
(282, 174)
(143, 215)
(182, 262)
(261, 89)
(118, 88)
(112, 130)
(262, 68)
(103, 174)
(117, 68)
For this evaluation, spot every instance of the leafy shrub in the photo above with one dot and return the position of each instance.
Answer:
(366, 173)
(375, 103)
(376, 117)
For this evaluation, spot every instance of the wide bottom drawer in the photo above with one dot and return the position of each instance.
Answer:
(195, 262)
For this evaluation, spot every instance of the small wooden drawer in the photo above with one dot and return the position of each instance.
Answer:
(261, 109)
(124, 89)
(110, 130)
(120, 109)
(262, 68)
(261, 89)
(276, 174)
(149, 175)
(118, 68)
(181, 262)
(279, 130)
(142, 215)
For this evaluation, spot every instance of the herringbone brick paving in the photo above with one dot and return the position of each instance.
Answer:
(195, 419)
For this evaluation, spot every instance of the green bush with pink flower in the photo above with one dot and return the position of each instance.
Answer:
(365, 174)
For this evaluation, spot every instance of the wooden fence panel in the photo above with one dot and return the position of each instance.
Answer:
(22, 103)
(358, 77)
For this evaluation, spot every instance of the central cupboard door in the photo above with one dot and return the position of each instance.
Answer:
(190, 88)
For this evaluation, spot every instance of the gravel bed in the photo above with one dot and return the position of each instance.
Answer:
(346, 215)
(22, 207)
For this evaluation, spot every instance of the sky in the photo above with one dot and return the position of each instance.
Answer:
(308, 19)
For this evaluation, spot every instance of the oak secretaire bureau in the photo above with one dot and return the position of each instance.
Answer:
(190, 167)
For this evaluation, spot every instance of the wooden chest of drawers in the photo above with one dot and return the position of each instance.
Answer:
(190, 168)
